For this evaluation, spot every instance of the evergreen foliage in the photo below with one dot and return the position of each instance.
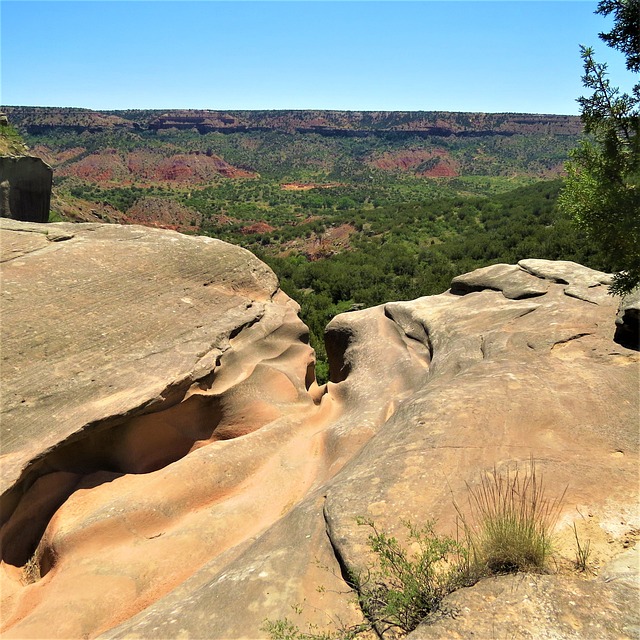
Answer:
(602, 192)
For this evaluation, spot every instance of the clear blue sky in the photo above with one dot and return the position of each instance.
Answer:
(451, 55)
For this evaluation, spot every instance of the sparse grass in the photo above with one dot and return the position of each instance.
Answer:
(10, 141)
(31, 570)
(583, 552)
(509, 530)
(512, 521)
(285, 629)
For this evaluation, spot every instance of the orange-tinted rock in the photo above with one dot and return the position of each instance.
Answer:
(180, 474)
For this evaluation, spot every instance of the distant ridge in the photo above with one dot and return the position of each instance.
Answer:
(333, 123)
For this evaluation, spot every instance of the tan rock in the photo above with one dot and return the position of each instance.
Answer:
(179, 473)
(543, 606)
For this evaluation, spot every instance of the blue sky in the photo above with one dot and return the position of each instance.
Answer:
(491, 56)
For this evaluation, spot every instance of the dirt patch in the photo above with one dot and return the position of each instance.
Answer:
(333, 240)
(165, 214)
(257, 227)
(102, 166)
(151, 167)
(602, 538)
(298, 186)
(421, 162)
(55, 158)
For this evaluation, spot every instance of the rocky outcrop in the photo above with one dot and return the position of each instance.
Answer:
(171, 468)
(25, 188)
(542, 606)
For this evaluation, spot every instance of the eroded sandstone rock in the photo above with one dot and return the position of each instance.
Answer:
(178, 472)
(543, 606)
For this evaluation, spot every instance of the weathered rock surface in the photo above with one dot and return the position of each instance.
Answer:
(179, 474)
(541, 606)
(25, 188)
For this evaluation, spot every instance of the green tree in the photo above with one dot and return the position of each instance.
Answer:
(602, 190)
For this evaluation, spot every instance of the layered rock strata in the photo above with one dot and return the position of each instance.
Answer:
(171, 468)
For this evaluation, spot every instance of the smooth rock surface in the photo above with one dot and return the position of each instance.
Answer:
(514, 282)
(541, 606)
(213, 485)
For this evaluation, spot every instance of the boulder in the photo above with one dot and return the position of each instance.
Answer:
(25, 188)
(171, 468)
(513, 281)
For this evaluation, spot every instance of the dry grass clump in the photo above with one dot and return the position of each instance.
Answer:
(512, 520)
(509, 530)
(31, 570)
(583, 552)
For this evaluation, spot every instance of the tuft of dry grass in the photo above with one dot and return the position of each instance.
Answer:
(512, 520)
(583, 552)
(31, 570)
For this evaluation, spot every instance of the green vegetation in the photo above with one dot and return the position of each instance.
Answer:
(407, 239)
(405, 587)
(603, 187)
(508, 531)
(11, 142)
(512, 522)
(414, 249)
(121, 198)
(402, 588)
(348, 218)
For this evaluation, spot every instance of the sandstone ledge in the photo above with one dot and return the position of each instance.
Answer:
(180, 474)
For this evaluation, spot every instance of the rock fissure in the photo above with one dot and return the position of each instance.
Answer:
(579, 296)
(346, 573)
(577, 336)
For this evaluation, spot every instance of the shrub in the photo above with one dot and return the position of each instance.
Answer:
(509, 530)
(404, 587)
(399, 590)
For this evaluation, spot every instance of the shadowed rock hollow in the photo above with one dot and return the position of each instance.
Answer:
(170, 468)
(25, 188)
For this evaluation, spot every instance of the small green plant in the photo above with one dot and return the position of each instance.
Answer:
(512, 522)
(400, 589)
(285, 629)
(583, 552)
(404, 588)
